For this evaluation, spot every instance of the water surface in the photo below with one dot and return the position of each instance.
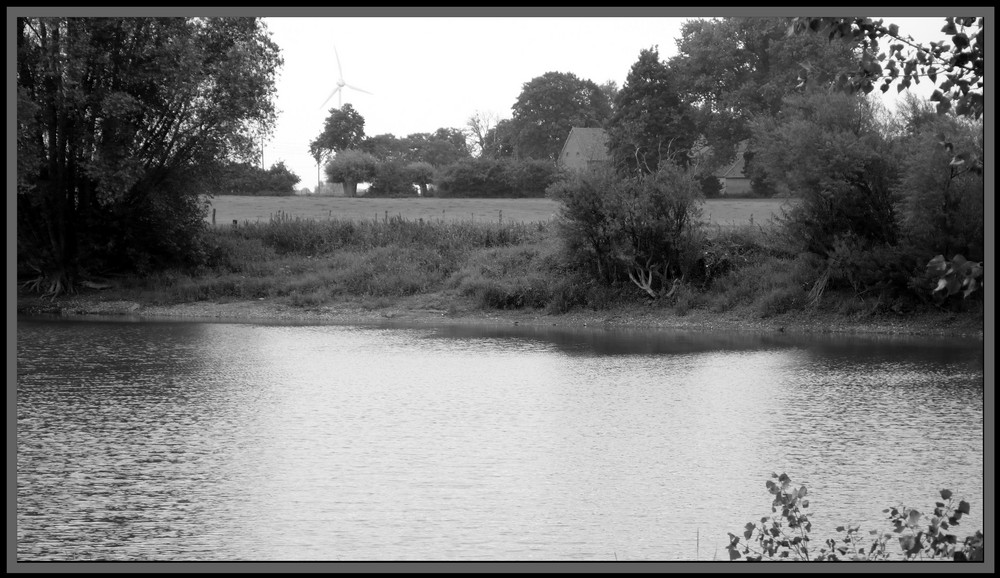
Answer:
(238, 441)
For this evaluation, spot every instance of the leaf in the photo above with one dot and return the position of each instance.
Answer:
(963, 507)
(734, 554)
(840, 528)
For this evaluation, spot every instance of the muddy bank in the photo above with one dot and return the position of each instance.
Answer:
(417, 311)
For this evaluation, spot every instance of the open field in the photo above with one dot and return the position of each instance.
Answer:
(229, 208)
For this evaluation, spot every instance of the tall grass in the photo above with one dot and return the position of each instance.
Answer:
(294, 235)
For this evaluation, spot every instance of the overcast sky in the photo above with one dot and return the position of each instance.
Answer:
(426, 73)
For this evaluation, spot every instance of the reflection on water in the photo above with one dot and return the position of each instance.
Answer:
(213, 441)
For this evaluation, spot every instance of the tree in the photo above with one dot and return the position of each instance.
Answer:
(351, 167)
(548, 107)
(386, 147)
(652, 122)
(344, 129)
(830, 150)
(610, 89)
(735, 69)
(442, 147)
(119, 121)
(421, 174)
(482, 135)
(959, 65)
(500, 140)
(249, 179)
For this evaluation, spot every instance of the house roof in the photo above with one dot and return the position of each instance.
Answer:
(593, 143)
(735, 169)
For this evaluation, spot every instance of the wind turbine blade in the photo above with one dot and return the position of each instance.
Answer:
(335, 91)
(358, 89)
(340, 70)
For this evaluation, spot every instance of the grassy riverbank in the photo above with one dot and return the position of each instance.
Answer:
(456, 272)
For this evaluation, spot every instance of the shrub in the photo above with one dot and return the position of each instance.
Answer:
(786, 535)
(479, 177)
(530, 178)
(831, 150)
(781, 300)
(645, 229)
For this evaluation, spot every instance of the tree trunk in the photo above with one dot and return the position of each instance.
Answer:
(350, 189)
(423, 189)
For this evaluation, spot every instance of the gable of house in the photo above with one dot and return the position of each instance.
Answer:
(584, 147)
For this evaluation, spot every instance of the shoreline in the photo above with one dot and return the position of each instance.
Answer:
(411, 311)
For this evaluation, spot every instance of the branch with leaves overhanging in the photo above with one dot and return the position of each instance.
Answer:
(959, 63)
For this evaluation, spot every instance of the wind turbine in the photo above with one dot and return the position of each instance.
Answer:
(340, 84)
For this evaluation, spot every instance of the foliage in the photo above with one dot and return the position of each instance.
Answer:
(249, 179)
(421, 174)
(351, 167)
(738, 68)
(548, 107)
(500, 140)
(786, 535)
(386, 147)
(480, 177)
(960, 65)
(343, 130)
(493, 178)
(653, 121)
(644, 228)
(710, 185)
(957, 275)
(531, 178)
(942, 196)
(444, 146)
(390, 179)
(120, 120)
(829, 149)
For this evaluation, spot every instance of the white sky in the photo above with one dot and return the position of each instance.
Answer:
(427, 73)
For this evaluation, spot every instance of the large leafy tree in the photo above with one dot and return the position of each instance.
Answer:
(500, 139)
(549, 106)
(735, 69)
(442, 147)
(351, 167)
(120, 120)
(344, 129)
(652, 120)
(386, 147)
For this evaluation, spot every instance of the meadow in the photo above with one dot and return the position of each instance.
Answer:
(722, 212)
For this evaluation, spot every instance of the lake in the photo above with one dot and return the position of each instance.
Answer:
(194, 441)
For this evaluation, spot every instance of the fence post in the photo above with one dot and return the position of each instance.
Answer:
(213, 217)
